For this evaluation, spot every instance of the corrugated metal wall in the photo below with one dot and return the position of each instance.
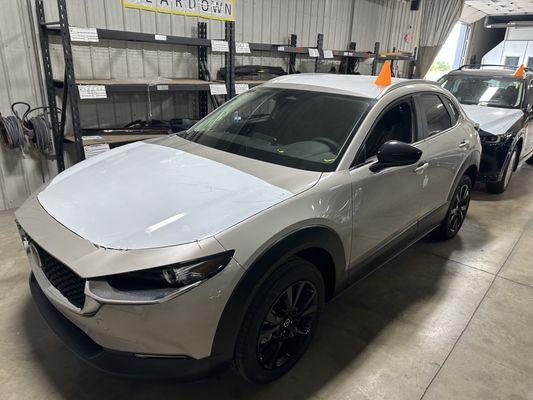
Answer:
(387, 21)
(390, 22)
(20, 173)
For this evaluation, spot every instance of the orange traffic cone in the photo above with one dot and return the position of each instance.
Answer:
(383, 78)
(519, 73)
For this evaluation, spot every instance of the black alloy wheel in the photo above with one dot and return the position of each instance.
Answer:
(287, 324)
(460, 204)
(281, 321)
(457, 210)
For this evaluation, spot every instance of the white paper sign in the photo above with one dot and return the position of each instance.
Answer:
(83, 34)
(86, 138)
(92, 92)
(242, 48)
(95, 149)
(160, 37)
(217, 89)
(328, 53)
(241, 88)
(313, 53)
(348, 54)
(219, 45)
(162, 87)
(281, 48)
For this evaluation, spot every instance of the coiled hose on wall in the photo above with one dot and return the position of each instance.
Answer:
(12, 132)
(15, 132)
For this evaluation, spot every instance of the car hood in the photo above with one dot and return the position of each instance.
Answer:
(493, 120)
(147, 195)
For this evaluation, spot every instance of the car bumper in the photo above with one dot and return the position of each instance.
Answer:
(121, 363)
(494, 158)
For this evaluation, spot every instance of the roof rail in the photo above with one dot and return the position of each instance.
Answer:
(406, 83)
(479, 66)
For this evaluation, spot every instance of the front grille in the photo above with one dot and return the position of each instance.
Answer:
(62, 278)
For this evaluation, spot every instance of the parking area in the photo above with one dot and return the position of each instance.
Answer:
(450, 320)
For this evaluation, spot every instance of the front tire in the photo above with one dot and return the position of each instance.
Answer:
(281, 321)
(501, 185)
(456, 214)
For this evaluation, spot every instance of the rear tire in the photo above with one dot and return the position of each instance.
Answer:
(501, 185)
(456, 214)
(281, 321)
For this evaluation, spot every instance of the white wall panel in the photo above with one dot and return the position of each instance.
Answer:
(267, 21)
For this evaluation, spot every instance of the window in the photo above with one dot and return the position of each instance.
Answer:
(434, 115)
(530, 62)
(454, 111)
(511, 61)
(530, 95)
(296, 128)
(395, 124)
(485, 90)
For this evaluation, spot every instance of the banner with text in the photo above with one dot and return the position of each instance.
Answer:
(222, 10)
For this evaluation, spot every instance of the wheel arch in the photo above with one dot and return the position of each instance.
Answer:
(469, 167)
(317, 244)
(519, 147)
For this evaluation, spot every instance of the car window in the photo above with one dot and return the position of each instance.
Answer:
(512, 61)
(296, 128)
(454, 111)
(435, 117)
(530, 94)
(395, 124)
(502, 92)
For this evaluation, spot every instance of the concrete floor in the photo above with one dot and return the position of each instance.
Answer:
(447, 320)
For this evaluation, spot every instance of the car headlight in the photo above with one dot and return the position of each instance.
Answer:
(489, 138)
(171, 276)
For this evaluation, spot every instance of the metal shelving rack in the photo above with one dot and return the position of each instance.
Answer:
(411, 59)
(69, 84)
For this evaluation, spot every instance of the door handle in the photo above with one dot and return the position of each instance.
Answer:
(464, 143)
(421, 167)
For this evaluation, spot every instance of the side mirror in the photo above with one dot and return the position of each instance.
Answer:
(395, 154)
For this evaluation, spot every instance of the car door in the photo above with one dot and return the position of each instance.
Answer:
(385, 203)
(444, 143)
(528, 120)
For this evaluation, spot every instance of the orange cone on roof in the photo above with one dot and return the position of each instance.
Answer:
(384, 77)
(519, 73)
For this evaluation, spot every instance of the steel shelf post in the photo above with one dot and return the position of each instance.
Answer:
(376, 58)
(230, 59)
(292, 57)
(70, 79)
(319, 45)
(49, 82)
(202, 75)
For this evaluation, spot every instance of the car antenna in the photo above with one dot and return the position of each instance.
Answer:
(384, 77)
(519, 73)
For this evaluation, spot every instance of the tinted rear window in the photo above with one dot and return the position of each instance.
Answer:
(435, 116)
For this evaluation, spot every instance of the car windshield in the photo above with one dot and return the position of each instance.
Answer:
(485, 91)
(296, 128)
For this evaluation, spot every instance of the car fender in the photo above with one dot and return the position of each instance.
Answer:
(235, 310)
(473, 159)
